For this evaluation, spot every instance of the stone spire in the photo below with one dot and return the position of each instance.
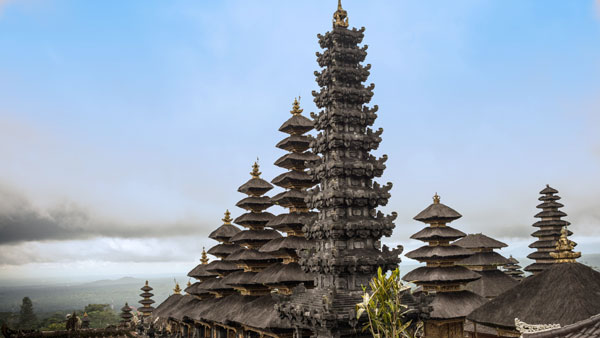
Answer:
(441, 276)
(348, 229)
(204, 258)
(485, 261)
(288, 274)
(513, 269)
(564, 249)
(146, 301)
(551, 225)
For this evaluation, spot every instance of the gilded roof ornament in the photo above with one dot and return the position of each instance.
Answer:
(189, 283)
(204, 259)
(564, 249)
(177, 289)
(227, 219)
(255, 172)
(436, 199)
(340, 17)
(146, 283)
(296, 110)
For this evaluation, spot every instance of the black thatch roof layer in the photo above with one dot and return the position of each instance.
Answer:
(168, 306)
(223, 250)
(261, 314)
(587, 328)
(293, 179)
(185, 305)
(248, 255)
(254, 236)
(292, 221)
(283, 273)
(437, 212)
(438, 233)
(286, 244)
(255, 187)
(214, 284)
(255, 203)
(222, 267)
(434, 253)
(447, 305)
(449, 274)
(227, 308)
(224, 232)
(297, 124)
(290, 198)
(202, 307)
(492, 283)
(254, 219)
(200, 272)
(474, 241)
(563, 294)
(484, 258)
(297, 143)
(295, 160)
(240, 278)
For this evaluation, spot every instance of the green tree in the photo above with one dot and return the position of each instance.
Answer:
(27, 318)
(383, 307)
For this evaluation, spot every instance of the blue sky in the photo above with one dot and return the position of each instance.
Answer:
(132, 123)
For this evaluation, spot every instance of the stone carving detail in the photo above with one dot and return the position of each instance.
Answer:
(523, 327)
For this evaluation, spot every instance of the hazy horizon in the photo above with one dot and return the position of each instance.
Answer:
(127, 127)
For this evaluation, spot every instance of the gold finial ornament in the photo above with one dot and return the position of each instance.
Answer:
(227, 219)
(340, 17)
(146, 283)
(564, 249)
(436, 199)
(255, 173)
(296, 110)
(189, 283)
(204, 259)
(177, 289)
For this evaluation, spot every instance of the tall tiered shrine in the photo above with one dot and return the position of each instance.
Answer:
(550, 225)
(146, 301)
(513, 269)
(348, 228)
(441, 276)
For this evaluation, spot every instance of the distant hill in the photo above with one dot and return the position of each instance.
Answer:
(112, 282)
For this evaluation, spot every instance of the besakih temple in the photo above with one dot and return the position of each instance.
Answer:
(441, 276)
(146, 301)
(485, 261)
(513, 269)
(565, 294)
(126, 315)
(550, 225)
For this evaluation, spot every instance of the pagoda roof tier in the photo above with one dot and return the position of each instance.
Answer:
(345, 114)
(550, 213)
(250, 255)
(513, 260)
(280, 273)
(285, 245)
(294, 179)
(549, 198)
(479, 241)
(438, 233)
(543, 244)
(540, 255)
(296, 160)
(145, 309)
(200, 272)
(437, 212)
(224, 232)
(550, 205)
(146, 301)
(183, 307)
(253, 219)
(441, 274)
(548, 190)
(538, 267)
(202, 307)
(255, 186)
(295, 143)
(223, 250)
(195, 290)
(126, 309)
(484, 258)
(227, 309)
(255, 204)
(563, 294)
(253, 237)
(450, 305)
(292, 221)
(222, 267)
(261, 314)
(146, 294)
(165, 308)
(291, 199)
(214, 284)
(550, 232)
(492, 283)
(367, 168)
(297, 125)
(559, 223)
(240, 278)
(146, 287)
(439, 252)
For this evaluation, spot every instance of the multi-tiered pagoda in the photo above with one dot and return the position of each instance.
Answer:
(550, 225)
(441, 276)
(146, 301)
(283, 276)
(348, 229)
(201, 274)
(126, 316)
(485, 261)
(513, 269)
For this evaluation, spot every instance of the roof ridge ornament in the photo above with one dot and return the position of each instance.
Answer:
(436, 199)
(177, 289)
(340, 17)
(227, 219)
(255, 173)
(204, 259)
(564, 249)
(296, 110)
(523, 327)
